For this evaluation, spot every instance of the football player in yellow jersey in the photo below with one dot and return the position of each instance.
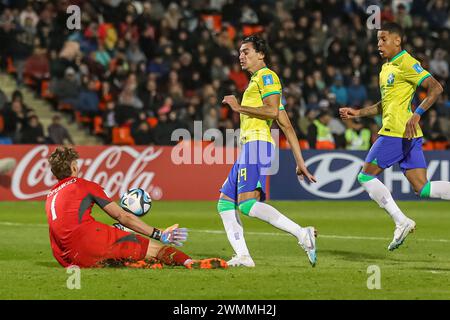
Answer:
(245, 187)
(400, 139)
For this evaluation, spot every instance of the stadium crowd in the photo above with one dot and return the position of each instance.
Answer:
(137, 70)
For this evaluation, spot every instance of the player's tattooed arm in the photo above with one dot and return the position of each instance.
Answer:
(269, 109)
(434, 89)
(350, 113)
(285, 125)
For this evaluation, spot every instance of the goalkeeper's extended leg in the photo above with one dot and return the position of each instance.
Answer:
(174, 257)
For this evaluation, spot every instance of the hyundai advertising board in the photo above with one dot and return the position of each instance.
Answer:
(337, 176)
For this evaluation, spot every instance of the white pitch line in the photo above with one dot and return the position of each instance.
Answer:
(330, 236)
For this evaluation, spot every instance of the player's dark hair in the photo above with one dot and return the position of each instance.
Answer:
(393, 27)
(60, 161)
(259, 45)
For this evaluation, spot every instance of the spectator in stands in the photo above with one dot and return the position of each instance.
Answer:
(238, 77)
(135, 55)
(313, 45)
(109, 121)
(439, 64)
(402, 17)
(3, 100)
(37, 66)
(431, 127)
(163, 131)
(33, 132)
(68, 88)
(57, 133)
(319, 133)
(357, 92)
(356, 136)
(143, 136)
(339, 90)
(88, 101)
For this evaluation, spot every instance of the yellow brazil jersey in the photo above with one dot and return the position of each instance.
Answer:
(263, 83)
(399, 79)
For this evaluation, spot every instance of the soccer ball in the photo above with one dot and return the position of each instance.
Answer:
(136, 201)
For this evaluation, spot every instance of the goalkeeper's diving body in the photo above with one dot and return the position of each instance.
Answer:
(400, 138)
(245, 187)
(77, 239)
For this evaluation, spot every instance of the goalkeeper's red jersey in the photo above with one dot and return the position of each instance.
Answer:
(69, 205)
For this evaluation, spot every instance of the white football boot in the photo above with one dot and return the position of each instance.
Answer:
(238, 261)
(401, 232)
(308, 243)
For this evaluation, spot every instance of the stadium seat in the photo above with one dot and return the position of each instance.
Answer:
(10, 66)
(98, 125)
(248, 29)
(427, 146)
(122, 136)
(224, 112)
(152, 121)
(2, 123)
(283, 144)
(304, 145)
(79, 118)
(440, 145)
(64, 106)
(325, 145)
(45, 90)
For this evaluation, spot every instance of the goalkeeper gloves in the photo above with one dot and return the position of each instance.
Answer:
(174, 235)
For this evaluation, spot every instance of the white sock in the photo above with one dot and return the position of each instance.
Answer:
(380, 193)
(235, 232)
(271, 215)
(440, 190)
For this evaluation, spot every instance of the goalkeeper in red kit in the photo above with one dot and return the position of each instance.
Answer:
(77, 239)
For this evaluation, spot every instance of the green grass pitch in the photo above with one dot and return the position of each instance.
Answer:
(352, 237)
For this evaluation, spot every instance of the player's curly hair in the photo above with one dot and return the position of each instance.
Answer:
(60, 161)
(260, 45)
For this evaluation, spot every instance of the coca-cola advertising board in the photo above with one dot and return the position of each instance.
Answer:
(116, 169)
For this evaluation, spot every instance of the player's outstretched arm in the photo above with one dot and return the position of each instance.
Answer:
(171, 235)
(285, 124)
(269, 109)
(434, 89)
(350, 113)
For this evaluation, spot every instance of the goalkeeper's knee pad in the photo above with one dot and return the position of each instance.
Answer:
(246, 205)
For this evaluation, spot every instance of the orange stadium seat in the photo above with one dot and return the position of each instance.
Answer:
(82, 119)
(10, 66)
(122, 136)
(45, 90)
(98, 125)
(64, 106)
(152, 121)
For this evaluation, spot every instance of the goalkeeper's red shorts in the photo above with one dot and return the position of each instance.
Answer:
(93, 242)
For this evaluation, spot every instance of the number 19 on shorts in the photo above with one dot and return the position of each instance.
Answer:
(242, 174)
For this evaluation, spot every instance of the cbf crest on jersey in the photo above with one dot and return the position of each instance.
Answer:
(267, 79)
(390, 79)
